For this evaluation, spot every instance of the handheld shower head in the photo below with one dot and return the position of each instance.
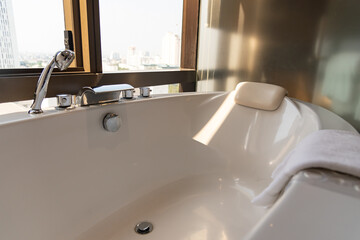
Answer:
(64, 58)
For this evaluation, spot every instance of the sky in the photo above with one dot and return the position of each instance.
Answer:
(142, 23)
(39, 25)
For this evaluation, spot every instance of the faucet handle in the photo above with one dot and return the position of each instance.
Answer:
(64, 100)
(128, 94)
(145, 92)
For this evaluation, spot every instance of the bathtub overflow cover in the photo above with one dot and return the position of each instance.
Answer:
(143, 227)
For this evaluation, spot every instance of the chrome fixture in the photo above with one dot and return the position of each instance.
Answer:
(111, 122)
(62, 60)
(64, 100)
(103, 94)
(128, 94)
(144, 227)
(145, 92)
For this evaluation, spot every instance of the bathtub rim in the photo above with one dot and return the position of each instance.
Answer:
(327, 119)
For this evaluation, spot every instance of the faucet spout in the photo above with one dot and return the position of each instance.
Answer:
(62, 60)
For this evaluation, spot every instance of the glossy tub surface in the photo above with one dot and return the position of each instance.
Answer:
(188, 163)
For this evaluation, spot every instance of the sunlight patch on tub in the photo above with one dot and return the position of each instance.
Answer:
(7, 108)
(290, 118)
(206, 134)
(250, 130)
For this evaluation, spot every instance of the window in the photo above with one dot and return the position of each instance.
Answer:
(96, 54)
(29, 36)
(140, 38)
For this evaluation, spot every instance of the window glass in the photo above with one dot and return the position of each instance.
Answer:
(31, 32)
(165, 89)
(140, 34)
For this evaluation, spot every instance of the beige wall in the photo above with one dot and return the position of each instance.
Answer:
(312, 48)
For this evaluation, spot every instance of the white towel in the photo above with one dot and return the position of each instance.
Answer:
(330, 149)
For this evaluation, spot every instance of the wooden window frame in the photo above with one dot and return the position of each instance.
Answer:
(83, 19)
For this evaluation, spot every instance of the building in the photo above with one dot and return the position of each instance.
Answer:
(115, 55)
(133, 57)
(9, 57)
(171, 49)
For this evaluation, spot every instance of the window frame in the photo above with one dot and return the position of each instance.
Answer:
(82, 17)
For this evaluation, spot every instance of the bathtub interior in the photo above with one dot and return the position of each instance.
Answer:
(317, 204)
(191, 163)
(252, 142)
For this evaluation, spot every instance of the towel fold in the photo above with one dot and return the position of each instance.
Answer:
(330, 149)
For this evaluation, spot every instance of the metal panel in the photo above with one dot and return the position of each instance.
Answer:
(312, 48)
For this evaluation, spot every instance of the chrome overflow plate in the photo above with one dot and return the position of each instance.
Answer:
(111, 122)
(143, 227)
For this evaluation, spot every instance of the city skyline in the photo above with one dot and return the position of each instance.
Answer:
(138, 59)
(144, 31)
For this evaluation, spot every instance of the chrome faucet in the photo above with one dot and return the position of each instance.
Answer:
(62, 60)
(104, 94)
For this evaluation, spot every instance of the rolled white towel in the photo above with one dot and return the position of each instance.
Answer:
(330, 149)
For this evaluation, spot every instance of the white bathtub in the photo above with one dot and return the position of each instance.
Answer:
(188, 163)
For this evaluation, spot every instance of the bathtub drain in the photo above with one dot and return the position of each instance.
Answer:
(143, 228)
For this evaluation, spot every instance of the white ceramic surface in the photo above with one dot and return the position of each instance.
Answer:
(317, 204)
(189, 163)
(259, 95)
